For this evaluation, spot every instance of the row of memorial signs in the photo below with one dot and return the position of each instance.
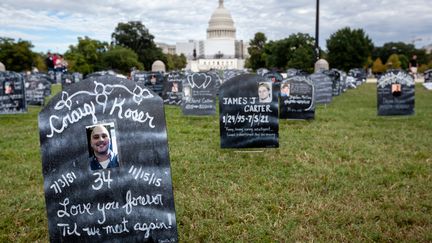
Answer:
(113, 182)
(18, 90)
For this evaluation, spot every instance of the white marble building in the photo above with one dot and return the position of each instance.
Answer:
(221, 49)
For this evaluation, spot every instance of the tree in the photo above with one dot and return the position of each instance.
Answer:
(349, 49)
(378, 66)
(393, 62)
(256, 51)
(296, 51)
(17, 56)
(86, 57)
(390, 48)
(176, 62)
(135, 35)
(121, 59)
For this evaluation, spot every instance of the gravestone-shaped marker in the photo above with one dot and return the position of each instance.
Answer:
(359, 75)
(217, 76)
(105, 73)
(274, 77)
(428, 76)
(335, 78)
(231, 73)
(151, 80)
(12, 93)
(343, 82)
(106, 165)
(199, 94)
(77, 77)
(248, 116)
(172, 94)
(66, 80)
(37, 88)
(323, 88)
(297, 98)
(396, 93)
(262, 71)
(428, 79)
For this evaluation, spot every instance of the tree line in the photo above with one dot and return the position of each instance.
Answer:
(346, 49)
(133, 46)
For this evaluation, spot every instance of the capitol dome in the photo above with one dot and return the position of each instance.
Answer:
(221, 24)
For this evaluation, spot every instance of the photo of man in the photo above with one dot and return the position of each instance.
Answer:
(396, 89)
(264, 92)
(285, 90)
(102, 156)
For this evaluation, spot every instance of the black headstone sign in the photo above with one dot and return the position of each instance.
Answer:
(323, 88)
(66, 80)
(199, 94)
(77, 77)
(335, 78)
(248, 115)
(274, 77)
(359, 75)
(151, 80)
(172, 93)
(12, 93)
(106, 165)
(428, 76)
(262, 71)
(396, 93)
(37, 88)
(297, 98)
(231, 73)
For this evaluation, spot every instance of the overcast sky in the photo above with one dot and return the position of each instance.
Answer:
(55, 24)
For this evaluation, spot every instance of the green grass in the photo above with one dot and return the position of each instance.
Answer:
(349, 175)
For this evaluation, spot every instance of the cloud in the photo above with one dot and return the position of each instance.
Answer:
(173, 21)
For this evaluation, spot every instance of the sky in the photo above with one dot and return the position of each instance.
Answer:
(54, 25)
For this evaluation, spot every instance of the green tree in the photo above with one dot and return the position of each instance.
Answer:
(86, 56)
(390, 48)
(393, 62)
(39, 62)
(136, 36)
(17, 56)
(121, 59)
(349, 49)
(176, 62)
(378, 66)
(296, 51)
(256, 52)
(404, 61)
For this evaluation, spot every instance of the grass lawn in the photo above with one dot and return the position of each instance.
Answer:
(348, 175)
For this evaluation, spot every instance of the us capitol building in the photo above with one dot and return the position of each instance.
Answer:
(220, 50)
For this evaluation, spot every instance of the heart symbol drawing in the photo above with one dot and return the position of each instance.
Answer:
(199, 80)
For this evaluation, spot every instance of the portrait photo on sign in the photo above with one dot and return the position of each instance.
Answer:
(187, 92)
(396, 89)
(102, 146)
(285, 89)
(265, 92)
(8, 88)
(174, 87)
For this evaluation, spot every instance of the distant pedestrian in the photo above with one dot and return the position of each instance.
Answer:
(49, 62)
(413, 66)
